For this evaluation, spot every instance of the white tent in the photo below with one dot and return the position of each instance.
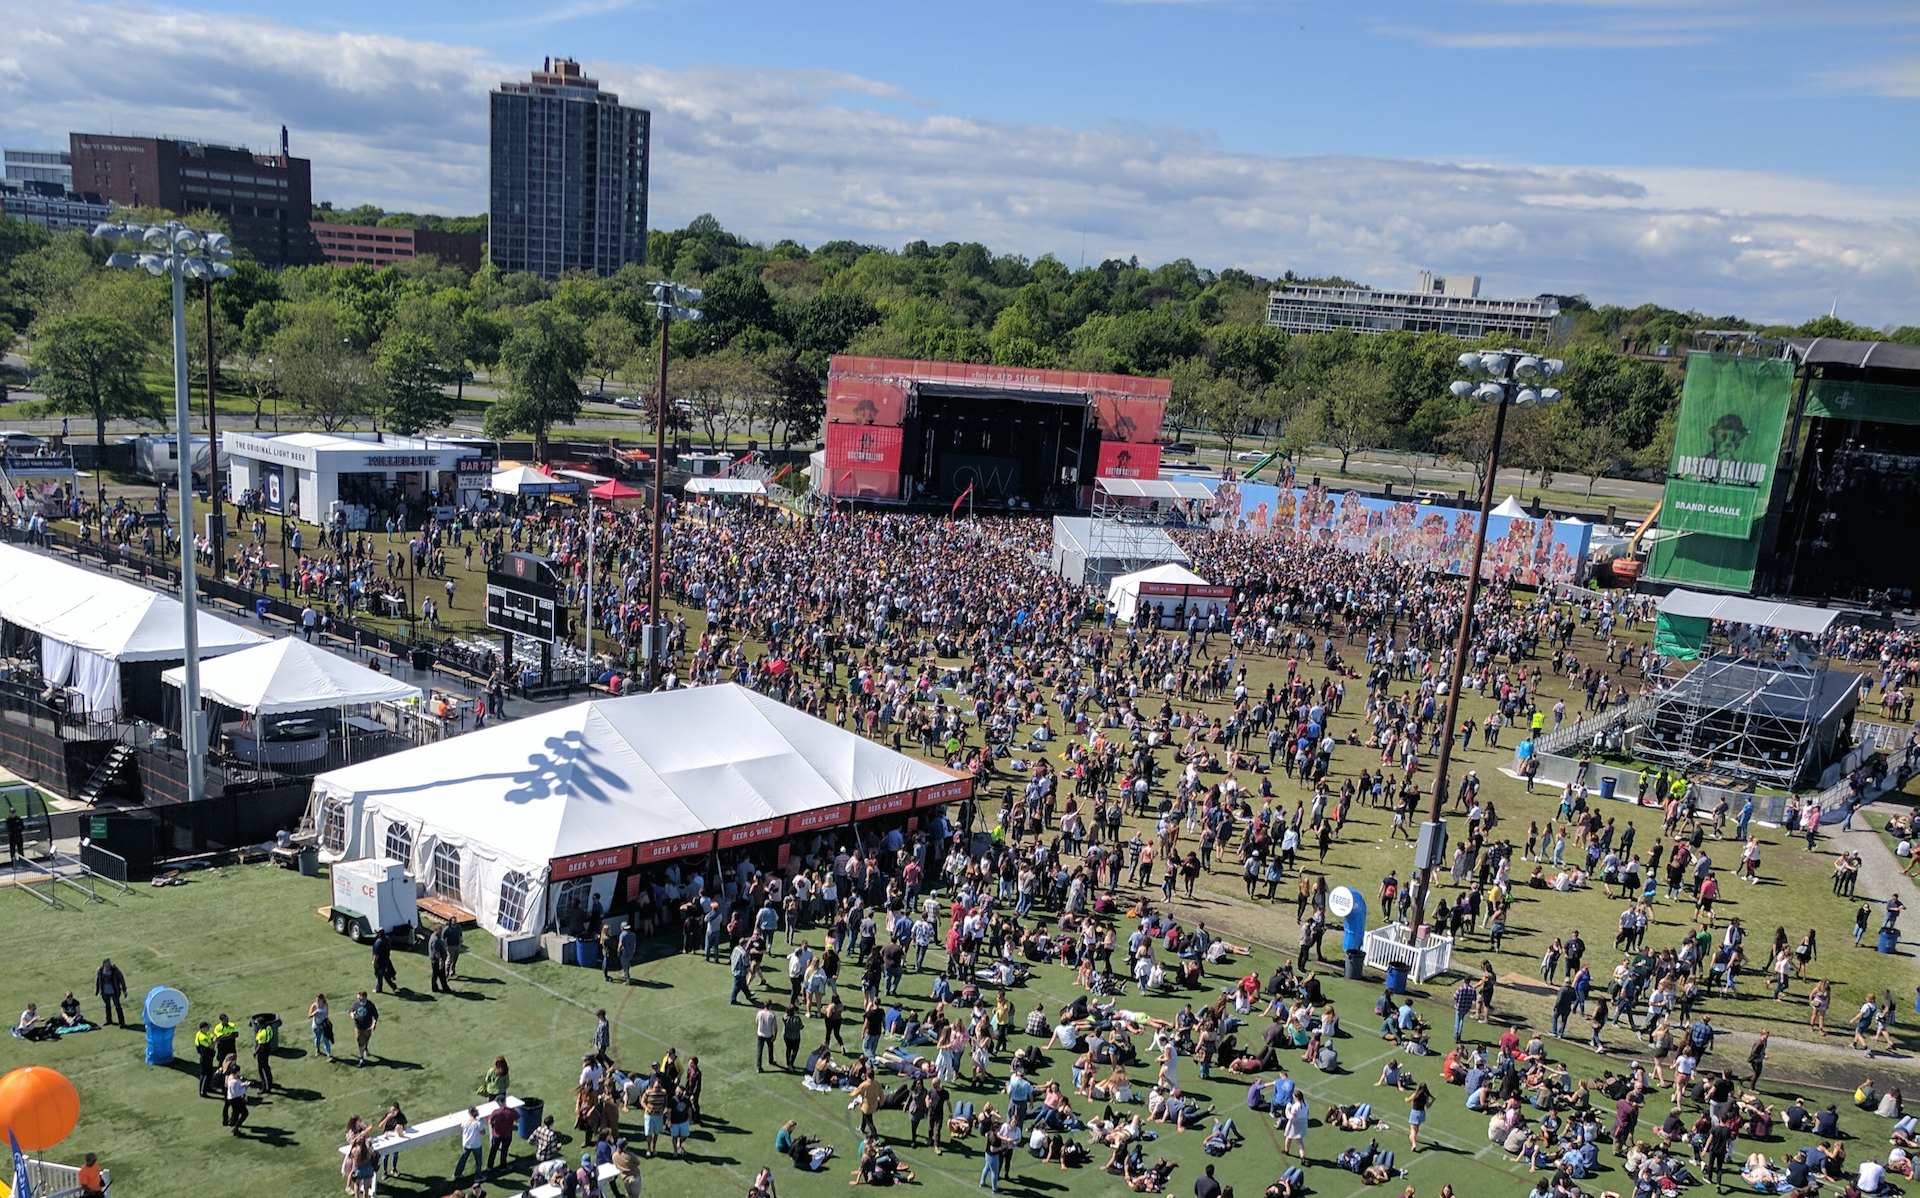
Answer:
(494, 816)
(90, 624)
(1510, 506)
(526, 480)
(1123, 593)
(291, 675)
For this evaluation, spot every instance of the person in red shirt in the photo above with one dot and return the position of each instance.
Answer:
(500, 1123)
(93, 1179)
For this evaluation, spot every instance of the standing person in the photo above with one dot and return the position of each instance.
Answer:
(739, 964)
(321, 1020)
(766, 1025)
(16, 836)
(1419, 1101)
(203, 1048)
(628, 947)
(111, 985)
(366, 1018)
(936, 1114)
(456, 944)
(1757, 1057)
(473, 1143)
(383, 973)
(233, 1112)
(602, 1037)
(791, 1029)
(500, 1123)
(263, 1038)
(437, 961)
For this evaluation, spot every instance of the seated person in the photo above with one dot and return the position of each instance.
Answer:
(1222, 1136)
(1395, 1075)
(805, 1152)
(69, 1015)
(1797, 1116)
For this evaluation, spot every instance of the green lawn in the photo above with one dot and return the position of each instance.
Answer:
(247, 939)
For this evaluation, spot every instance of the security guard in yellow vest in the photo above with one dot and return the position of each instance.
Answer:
(203, 1045)
(226, 1038)
(263, 1037)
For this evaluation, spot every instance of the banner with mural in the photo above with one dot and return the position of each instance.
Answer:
(1530, 552)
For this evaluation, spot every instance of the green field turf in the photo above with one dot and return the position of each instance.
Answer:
(247, 939)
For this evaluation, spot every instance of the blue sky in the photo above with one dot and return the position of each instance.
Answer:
(1752, 156)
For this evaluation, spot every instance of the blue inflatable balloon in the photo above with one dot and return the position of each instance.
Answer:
(1349, 906)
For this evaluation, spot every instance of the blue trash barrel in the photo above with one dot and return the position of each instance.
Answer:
(1607, 784)
(1889, 940)
(260, 607)
(530, 1116)
(1397, 978)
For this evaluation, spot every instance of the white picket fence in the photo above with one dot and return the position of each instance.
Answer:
(51, 1179)
(1393, 945)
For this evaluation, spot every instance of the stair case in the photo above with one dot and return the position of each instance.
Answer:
(109, 774)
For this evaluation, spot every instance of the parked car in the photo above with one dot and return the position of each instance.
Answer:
(632, 403)
(1249, 455)
(14, 441)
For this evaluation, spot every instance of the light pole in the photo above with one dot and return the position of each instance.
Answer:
(180, 253)
(1506, 376)
(670, 300)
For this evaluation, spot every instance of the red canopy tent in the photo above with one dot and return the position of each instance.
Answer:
(614, 489)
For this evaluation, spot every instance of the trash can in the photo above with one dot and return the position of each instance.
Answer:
(1396, 978)
(260, 608)
(1608, 783)
(308, 861)
(1889, 941)
(1356, 964)
(530, 1116)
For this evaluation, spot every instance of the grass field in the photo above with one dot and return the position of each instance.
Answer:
(247, 939)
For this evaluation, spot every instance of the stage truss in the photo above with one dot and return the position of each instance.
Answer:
(1124, 515)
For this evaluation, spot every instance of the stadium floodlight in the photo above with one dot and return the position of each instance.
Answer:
(179, 252)
(1470, 363)
(1489, 392)
(1495, 364)
(1553, 366)
(1528, 368)
(1526, 396)
(1461, 389)
(1549, 395)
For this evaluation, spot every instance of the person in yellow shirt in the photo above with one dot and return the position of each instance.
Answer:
(203, 1045)
(263, 1037)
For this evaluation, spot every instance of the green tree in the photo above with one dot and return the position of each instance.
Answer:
(253, 349)
(1192, 382)
(90, 366)
(407, 379)
(611, 343)
(829, 323)
(543, 357)
(1352, 411)
(319, 369)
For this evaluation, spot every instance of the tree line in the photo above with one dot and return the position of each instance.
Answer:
(345, 346)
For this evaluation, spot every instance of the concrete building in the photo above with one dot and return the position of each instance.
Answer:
(568, 175)
(38, 166)
(378, 245)
(1450, 304)
(52, 205)
(267, 199)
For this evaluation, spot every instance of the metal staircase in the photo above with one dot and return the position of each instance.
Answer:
(107, 775)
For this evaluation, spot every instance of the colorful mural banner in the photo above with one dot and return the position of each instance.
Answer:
(1528, 551)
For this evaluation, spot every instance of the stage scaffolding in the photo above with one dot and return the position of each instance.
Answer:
(1762, 705)
(1129, 516)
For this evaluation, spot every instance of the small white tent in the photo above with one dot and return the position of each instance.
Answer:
(1510, 506)
(291, 675)
(1123, 593)
(497, 818)
(525, 480)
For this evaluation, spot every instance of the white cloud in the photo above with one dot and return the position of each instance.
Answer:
(815, 155)
(1899, 78)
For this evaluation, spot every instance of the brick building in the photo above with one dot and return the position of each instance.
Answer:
(378, 245)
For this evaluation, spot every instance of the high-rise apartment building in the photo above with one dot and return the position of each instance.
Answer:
(568, 175)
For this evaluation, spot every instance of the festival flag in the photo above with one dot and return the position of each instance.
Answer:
(22, 1178)
(780, 474)
(960, 499)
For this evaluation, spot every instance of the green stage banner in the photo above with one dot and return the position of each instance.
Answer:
(1733, 413)
(1683, 638)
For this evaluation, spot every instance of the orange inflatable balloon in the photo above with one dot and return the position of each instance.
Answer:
(39, 1106)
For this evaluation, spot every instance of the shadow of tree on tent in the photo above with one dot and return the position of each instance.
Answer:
(564, 769)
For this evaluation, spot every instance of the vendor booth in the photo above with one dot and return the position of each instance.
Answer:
(518, 821)
(285, 703)
(530, 480)
(1171, 592)
(101, 640)
(360, 478)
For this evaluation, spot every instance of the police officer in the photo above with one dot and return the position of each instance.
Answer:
(263, 1037)
(203, 1045)
(226, 1038)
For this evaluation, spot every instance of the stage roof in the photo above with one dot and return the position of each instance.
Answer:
(1152, 488)
(1832, 351)
(726, 486)
(1792, 617)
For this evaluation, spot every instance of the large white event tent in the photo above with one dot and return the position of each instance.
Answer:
(91, 624)
(289, 675)
(499, 818)
(527, 480)
(1123, 593)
